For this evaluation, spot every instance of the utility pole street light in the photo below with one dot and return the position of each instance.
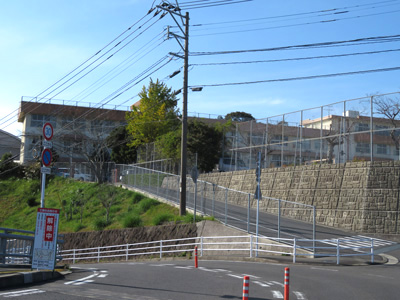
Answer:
(174, 11)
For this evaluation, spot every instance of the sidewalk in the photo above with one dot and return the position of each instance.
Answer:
(21, 275)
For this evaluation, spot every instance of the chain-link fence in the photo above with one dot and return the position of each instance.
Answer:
(231, 207)
(364, 129)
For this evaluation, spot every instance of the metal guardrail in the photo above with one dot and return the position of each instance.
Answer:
(244, 246)
(16, 246)
(214, 200)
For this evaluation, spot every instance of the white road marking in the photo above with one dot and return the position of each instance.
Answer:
(262, 284)
(84, 280)
(277, 294)
(278, 283)
(21, 293)
(163, 265)
(323, 269)
(187, 268)
(300, 296)
(207, 270)
(102, 275)
(251, 276)
(235, 276)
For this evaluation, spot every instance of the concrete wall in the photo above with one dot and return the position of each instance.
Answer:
(362, 196)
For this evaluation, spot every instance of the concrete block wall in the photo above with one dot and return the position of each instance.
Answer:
(359, 196)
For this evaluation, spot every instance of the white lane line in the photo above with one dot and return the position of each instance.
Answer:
(102, 275)
(21, 293)
(278, 283)
(300, 296)
(163, 265)
(187, 268)
(24, 293)
(323, 269)
(235, 276)
(262, 284)
(207, 270)
(251, 276)
(103, 271)
(277, 295)
(74, 282)
(83, 282)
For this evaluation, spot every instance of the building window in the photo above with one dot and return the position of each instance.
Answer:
(362, 148)
(69, 123)
(381, 149)
(362, 127)
(380, 130)
(40, 120)
(277, 139)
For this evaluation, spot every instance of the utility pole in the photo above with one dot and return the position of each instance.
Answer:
(173, 11)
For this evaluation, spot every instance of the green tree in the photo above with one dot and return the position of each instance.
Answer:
(8, 168)
(118, 141)
(206, 141)
(154, 116)
(239, 116)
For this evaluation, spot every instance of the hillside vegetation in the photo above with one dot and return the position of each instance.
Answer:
(83, 206)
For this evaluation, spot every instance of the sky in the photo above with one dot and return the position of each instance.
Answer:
(50, 49)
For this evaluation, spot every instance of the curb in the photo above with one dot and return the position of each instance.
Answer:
(22, 278)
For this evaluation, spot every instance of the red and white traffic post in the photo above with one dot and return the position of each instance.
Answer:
(196, 259)
(246, 284)
(286, 284)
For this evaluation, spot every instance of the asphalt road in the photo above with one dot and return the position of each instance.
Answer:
(216, 280)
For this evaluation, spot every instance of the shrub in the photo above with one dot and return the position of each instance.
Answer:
(78, 227)
(132, 221)
(146, 204)
(137, 198)
(161, 218)
(31, 200)
(100, 224)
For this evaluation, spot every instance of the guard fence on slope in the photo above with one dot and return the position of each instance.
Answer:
(227, 246)
(231, 207)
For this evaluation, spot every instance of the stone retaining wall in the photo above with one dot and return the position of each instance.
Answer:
(362, 196)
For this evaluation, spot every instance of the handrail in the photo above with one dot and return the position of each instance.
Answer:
(215, 244)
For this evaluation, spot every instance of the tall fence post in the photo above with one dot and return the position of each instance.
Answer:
(213, 201)
(294, 250)
(98, 254)
(226, 206)
(372, 251)
(161, 246)
(338, 252)
(314, 231)
(251, 246)
(201, 246)
(73, 257)
(248, 213)
(279, 218)
(127, 251)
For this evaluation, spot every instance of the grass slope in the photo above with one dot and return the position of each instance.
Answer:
(20, 199)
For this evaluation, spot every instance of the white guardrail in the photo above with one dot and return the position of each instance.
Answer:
(244, 246)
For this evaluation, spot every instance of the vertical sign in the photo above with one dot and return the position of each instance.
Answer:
(45, 246)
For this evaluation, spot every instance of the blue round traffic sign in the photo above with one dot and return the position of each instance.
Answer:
(46, 157)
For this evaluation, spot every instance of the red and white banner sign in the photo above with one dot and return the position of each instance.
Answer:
(45, 246)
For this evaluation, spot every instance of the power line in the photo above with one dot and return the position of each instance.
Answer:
(368, 40)
(300, 78)
(295, 59)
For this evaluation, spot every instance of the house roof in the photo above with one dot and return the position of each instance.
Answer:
(68, 110)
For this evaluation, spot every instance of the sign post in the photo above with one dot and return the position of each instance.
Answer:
(46, 157)
(45, 245)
